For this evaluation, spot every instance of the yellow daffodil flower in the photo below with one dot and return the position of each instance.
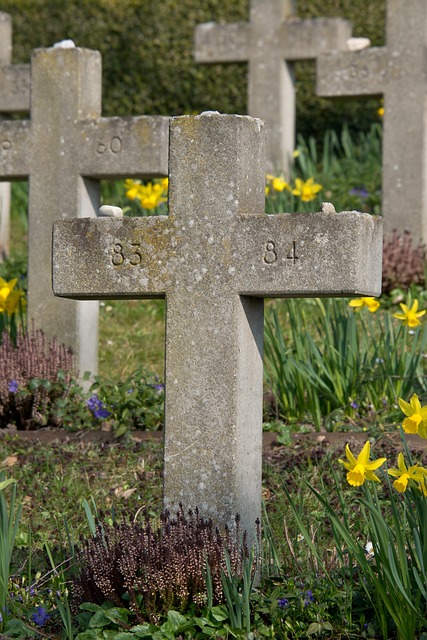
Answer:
(410, 317)
(132, 189)
(371, 303)
(150, 195)
(279, 184)
(360, 469)
(416, 420)
(306, 190)
(10, 299)
(405, 474)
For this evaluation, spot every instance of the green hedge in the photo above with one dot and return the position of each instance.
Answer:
(148, 61)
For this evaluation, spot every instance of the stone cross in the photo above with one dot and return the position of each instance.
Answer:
(14, 98)
(271, 42)
(396, 71)
(214, 258)
(65, 149)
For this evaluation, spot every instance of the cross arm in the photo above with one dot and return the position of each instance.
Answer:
(221, 42)
(15, 88)
(310, 255)
(124, 147)
(106, 258)
(306, 39)
(15, 149)
(352, 73)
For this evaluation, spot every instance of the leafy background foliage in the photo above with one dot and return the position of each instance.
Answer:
(147, 49)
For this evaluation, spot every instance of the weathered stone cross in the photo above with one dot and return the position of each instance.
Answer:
(65, 149)
(14, 98)
(396, 71)
(214, 258)
(14, 79)
(270, 43)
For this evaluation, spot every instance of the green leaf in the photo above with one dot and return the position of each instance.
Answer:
(219, 613)
(90, 634)
(118, 615)
(314, 628)
(121, 429)
(99, 619)
(143, 630)
(6, 483)
(89, 606)
(176, 619)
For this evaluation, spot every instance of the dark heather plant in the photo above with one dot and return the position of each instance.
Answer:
(34, 376)
(151, 571)
(403, 262)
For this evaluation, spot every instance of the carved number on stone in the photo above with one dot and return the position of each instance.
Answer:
(115, 146)
(118, 256)
(271, 253)
(292, 255)
(359, 72)
(131, 256)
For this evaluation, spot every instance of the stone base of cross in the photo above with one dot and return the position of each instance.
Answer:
(214, 259)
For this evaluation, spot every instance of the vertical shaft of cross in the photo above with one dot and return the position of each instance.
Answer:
(5, 38)
(66, 88)
(271, 94)
(214, 381)
(404, 196)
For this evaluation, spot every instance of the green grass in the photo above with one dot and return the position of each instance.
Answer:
(54, 479)
(132, 334)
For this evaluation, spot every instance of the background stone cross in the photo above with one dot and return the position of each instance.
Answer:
(396, 71)
(65, 149)
(214, 258)
(14, 98)
(270, 43)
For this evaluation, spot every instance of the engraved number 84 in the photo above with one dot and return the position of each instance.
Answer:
(271, 252)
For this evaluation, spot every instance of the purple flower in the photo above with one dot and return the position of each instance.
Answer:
(159, 387)
(354, 405)
(13, 386)
(283, 602)
(309, 597)
(97, 408)
(40, 616)
(361, 192)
